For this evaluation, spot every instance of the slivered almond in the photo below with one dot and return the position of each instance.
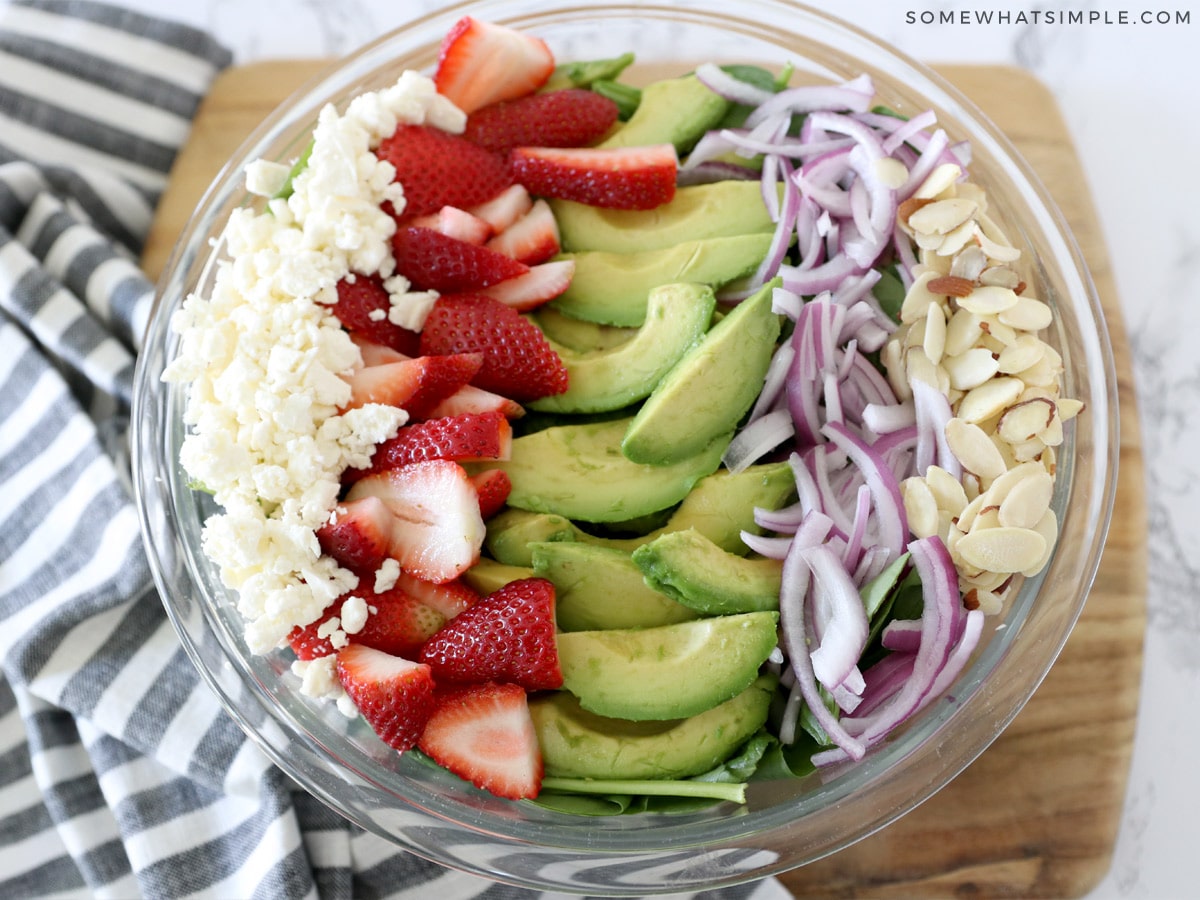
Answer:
(910, 206)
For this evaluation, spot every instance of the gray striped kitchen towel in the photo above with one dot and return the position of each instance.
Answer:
(120, 774)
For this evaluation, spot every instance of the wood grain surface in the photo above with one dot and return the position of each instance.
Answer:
(1036, 815)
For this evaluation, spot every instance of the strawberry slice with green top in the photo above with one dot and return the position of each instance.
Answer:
(573, 117)
(484, 734)
(518, 361)
(471, 437)
(394, 695)
(362, 307)
(640, 177)
(509, 635)
(440, 169)
(437, 531)
(480, 63)
(435, 261)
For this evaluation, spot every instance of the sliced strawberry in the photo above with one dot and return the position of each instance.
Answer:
(518, 362)
(447, 599)
(541, 284)
(532, 239)
(493, 487)
(480, 63)
(506, 636)
(434, 261)
(394, 695)
(505, 208)
(567, 118)
(456, 223)
(470, 399)
(438, 530)
(615, 178)
(374, 354)
(358, 534)
(363, 305)
(484, 734)
(470, 437)
(440, 169)
(399, 623)
(415, 385)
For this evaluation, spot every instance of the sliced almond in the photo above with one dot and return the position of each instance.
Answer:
(1002, 549)
(920, 507)
(1028, 315)
(988, 300)
(989, 399)
(918, 299)
(1025, 421)
(947, 490)
(891, 172)
(999, 276)
(952, 285)
(957, 238)
(999, 489)
(942, 216)
(970, 369)
(963, 330)
(969, 264)
(1047, 527)
(1028, 501)
(1069, 408)
(934, 339)
(1023, 353)
(940, 179)
(974, 449)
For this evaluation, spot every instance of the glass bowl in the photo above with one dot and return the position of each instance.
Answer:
(784, 825)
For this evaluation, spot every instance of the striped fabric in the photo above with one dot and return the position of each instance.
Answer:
(120, 775)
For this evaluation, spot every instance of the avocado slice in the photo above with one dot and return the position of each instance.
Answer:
(677, 317)
(689, 568)
(720, 507)
(488, 575)
(666, 672)
(600, 587)
(613, 288)
(579, 334)
(697, 211)
(579, 472)
(578, 744)
(710, 389)
(672, 111)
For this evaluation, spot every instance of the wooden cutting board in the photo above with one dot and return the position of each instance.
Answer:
(1037, 814)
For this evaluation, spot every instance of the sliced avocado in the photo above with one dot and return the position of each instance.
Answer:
(677, 317)
(579, 471)
(720, 506)
(599, 587)
(710, 389)
(667, 672)
(487, 575)
(613, 288)
(578, 744)
(691, 569)
(672, 111)
(510, 532)
(579, 334)
(696, 212)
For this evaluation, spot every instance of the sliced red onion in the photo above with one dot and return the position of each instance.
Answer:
(773, 382)
(792, 602)
(855, 543)
(721, 82)
(770, 547)
(713, 171)
(853, 96)
(904, 130)
(933, 413)
(783, 521)
(902, 634)
(884, 418)
(929, 158)
(757, 439)
(890, 520)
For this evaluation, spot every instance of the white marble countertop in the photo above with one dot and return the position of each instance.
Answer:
(1121, 88)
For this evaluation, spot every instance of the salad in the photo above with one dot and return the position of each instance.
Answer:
(613, 447)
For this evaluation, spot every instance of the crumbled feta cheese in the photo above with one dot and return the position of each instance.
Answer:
(265, 178)
(387, 575)
(267, 362)
(354, 614)
(408, 308)
(318, 677)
